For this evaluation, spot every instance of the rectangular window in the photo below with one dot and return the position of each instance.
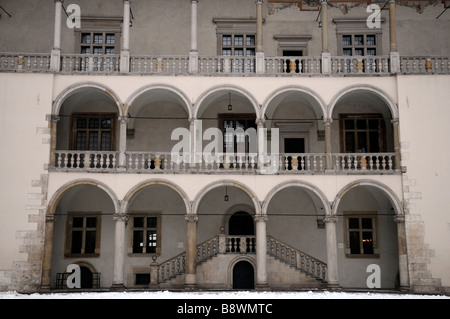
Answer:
(146, 235)
(83, 235)
(361, 235)
(362, 133)
(235, 138)
(239, 45)
(93, 132)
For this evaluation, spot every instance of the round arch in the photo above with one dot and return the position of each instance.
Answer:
(304, 185)
(365, 182)
(92, 88)
(159, 91)
(231, 183)
(312, 98)
(151, 182)
(215, 92)
(235, 209)
(377, 95)
(63, 189)
(235, 261)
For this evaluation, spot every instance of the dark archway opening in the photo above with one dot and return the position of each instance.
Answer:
(243, 275)
(241, 223)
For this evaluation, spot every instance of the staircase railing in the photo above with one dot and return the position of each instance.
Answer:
(296, 258)
(177, 265)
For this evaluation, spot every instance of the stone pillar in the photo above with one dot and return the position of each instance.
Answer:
(48, 251)
(394, 56)
(398, 161)
(55, 59)
(402, 252)
(327, 127)
(123, 120)
(332, 268)
(324, 21)
(326, 56)
(261, 252)
(260, 61)
(191, 251)
(262, 145)
(125, 52)
(120, 219)
(193, 53)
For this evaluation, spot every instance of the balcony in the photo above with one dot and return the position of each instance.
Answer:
(224, 65)
(166, 163)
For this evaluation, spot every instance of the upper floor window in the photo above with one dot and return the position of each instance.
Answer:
(236, 136)
(359, 45)
(99, 36)
(93, 132)
(362, 133)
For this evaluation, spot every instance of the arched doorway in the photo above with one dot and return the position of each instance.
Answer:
(87, 278)
(241, 223)
(243, 275)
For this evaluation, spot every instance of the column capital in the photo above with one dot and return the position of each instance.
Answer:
(191, 218)
(123, 119)
(395, 121)
(120, 217)
(330, 219)
(259, 1)
(127, 1)
(260, 122)
(323, 1)
(327, 121)
(399, 218)
(59, 1)
(261, 218)
(50, 218)
(192, 1)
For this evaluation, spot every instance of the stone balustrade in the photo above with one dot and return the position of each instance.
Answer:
(237, 65)
(165, 162)
(293, 65)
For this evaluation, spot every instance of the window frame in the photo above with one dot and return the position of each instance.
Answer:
(70, 229)
(93, 115)
(145, 228)
(355, 116)
(373, 215)
(247, 117)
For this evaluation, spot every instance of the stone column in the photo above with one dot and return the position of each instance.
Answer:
(123, 120)
(326, 57)
(191, 251)
(402, 252)
(394, 56)
(398, 161)
(327, 127)
(193, 53)
(48, 251)
(260, 63)
(332, 268)
(125, 52)
(120, 219)
(261, 252)
(55, 60)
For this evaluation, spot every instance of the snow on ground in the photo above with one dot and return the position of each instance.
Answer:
(220, 295)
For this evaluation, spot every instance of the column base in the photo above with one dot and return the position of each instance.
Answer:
(334, 287)
(118, 287)
(262, 287)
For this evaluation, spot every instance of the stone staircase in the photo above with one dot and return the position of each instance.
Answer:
(287, 267)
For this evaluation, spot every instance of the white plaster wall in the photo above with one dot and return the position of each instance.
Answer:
(424, 110)
(25, 99)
